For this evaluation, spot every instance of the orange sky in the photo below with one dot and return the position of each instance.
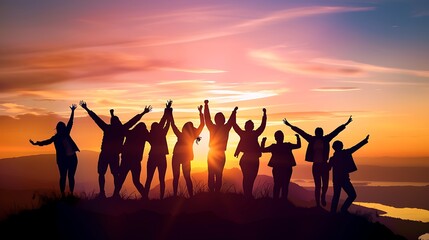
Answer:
(314, 64)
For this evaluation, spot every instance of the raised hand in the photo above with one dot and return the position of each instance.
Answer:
(206, 101)
(264, 110)
(31, 141)
(83, 104)
(200, 108)
(350, 120)
(147, 109)
(286, 122)
(169, 103)
(112, 112)
(73, 107)
(367, 137)
(236, 108)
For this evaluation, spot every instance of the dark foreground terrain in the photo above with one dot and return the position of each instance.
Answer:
(205, 216)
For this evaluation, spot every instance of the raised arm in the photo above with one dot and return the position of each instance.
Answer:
(100, 123)
(339, 129)
(359, 145)
(70, 122)
(137, 117)
(298, 130)
(298, 142)
(173, 126)
(207, 116)
(167, 112)
(201, 126)
(263, 148)
(233, 118)
(261, 128)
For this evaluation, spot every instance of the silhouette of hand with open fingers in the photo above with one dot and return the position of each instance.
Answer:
(73, 107)
(286, 122)
(169, 103)
(83, 104)
(147, 109)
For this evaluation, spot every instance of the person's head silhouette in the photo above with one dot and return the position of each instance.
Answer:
(248, 126)
(61, 127)
(279, 136)
(337, 145)
(319, 132)
(188, 127)
(141, 128)
(114, 121)
(219, 118)
(154, 126)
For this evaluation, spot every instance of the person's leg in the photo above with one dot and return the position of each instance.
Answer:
(277, 180)
(114, 168)
(71, 172)
(62, 168)
(186, 169)
(135, 173)
(211, 170)
(162, 169)
(245, 171)
(317, 183)
(254, 168)
(150, 171)
(351, 195)
(336, 197)
(286, 182)
(175, 166)
(325, 182)
(219, 170)
(124, 168)
(102, 169)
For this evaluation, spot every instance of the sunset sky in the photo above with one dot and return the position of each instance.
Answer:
(313, 62)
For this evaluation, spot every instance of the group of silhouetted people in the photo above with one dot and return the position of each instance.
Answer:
(123, 144)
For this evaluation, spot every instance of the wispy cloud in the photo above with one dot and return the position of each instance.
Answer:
(324, 67)
(294, 13)
(370, 68)
(18, 109)
(335, 89)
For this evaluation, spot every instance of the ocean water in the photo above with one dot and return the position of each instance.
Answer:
(310, 183)
(412, 214)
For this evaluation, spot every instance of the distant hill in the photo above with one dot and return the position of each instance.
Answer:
(205, 216)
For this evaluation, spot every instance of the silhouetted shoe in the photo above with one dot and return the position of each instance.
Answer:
(101, 196)
(323, 201)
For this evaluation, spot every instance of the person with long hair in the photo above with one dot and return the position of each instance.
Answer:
(249, 146)
(65, 149)
(132, 155)
(183, 152)
(157, 158)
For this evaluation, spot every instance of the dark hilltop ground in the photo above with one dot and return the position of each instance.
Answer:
(204, 216)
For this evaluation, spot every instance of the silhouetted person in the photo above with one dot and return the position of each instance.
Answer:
(131, 156)
(249, 146)
(65, 149)
(111, 145)
(342, 165)
(158, 151)
(318, 153)
(183, 152)
(282, 161)
(219, 133)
